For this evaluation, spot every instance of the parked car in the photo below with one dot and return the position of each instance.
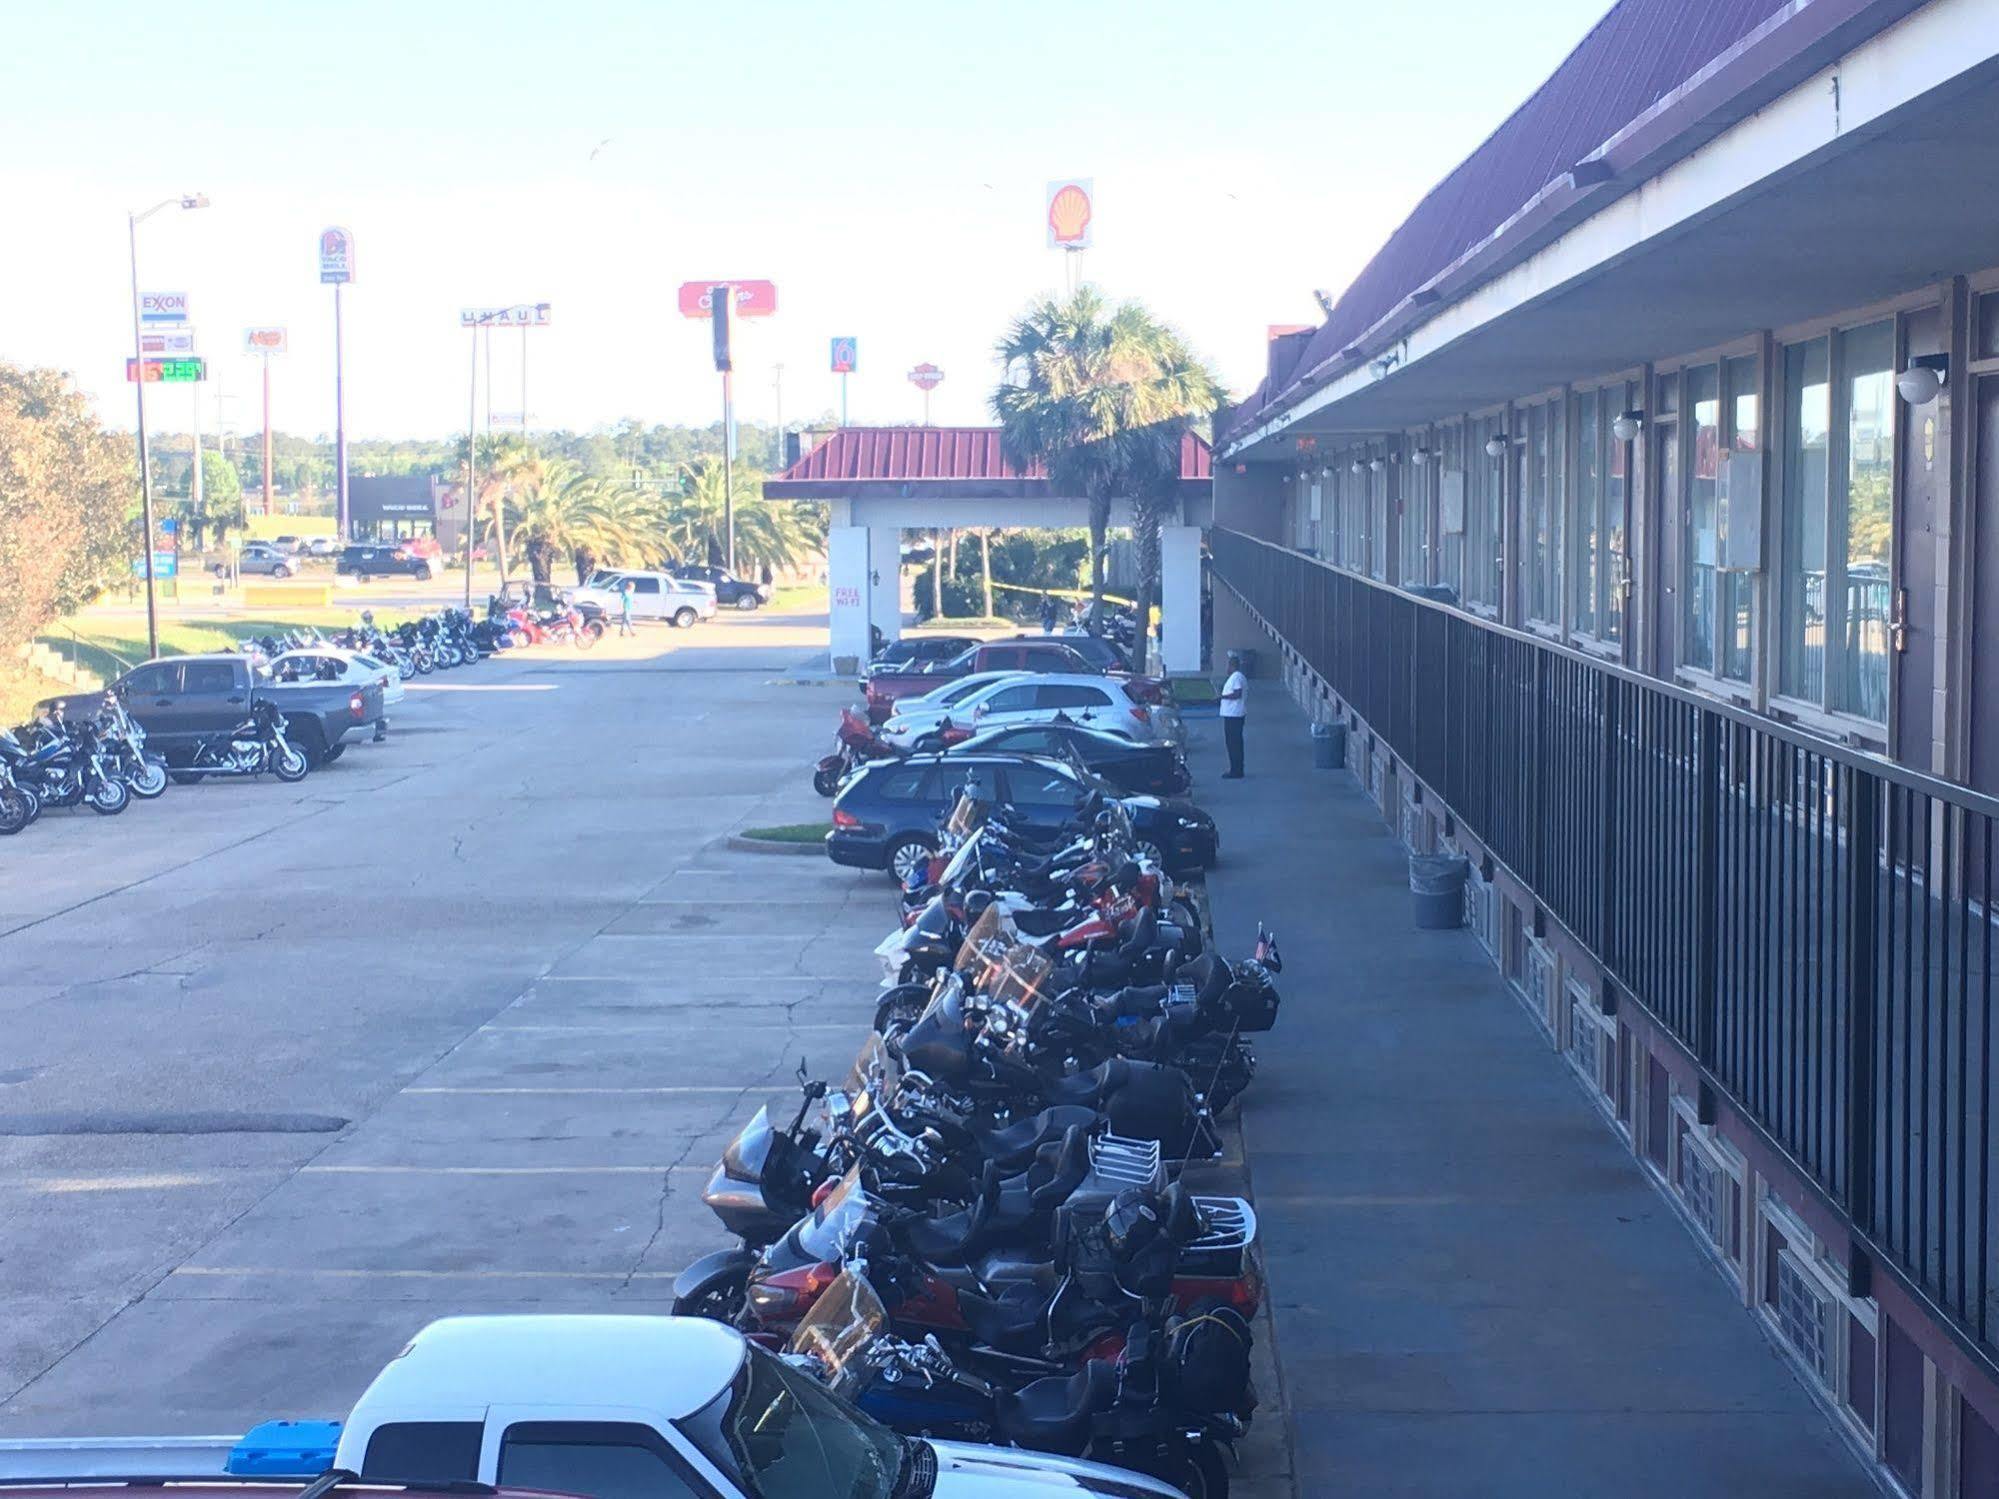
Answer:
(384, 560)
(180, 701)
(1099, 702)
(884, 688)
(323, 546)
(655, 595)
(920, 650)
(887, 813)
(731, 592)
(1160, 769)
(266, 559)
(1102, 654)
(331, 664)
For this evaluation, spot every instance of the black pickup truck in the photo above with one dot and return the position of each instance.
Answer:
(181, 700)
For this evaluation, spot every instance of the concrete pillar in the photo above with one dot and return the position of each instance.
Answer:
(885, 580)
(847, 595)
(1180, 598)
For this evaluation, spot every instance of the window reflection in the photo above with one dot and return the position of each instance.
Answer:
(1703, 544)
(1734, 592)
(1867, 359)
(1802, 608)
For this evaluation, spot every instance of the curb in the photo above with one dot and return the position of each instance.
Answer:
(743, 845)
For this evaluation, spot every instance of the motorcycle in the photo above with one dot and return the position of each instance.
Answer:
(1171, 1403)
(18, 805)
(256, 745)
(65, 766)
(859, 744)
(125, 751)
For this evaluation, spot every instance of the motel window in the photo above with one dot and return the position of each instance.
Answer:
(1485, 532)
(1596, 524)
(1834, 595)
(1449, 465)
(1313, 518)
(1716, 627)
(1377, 507)
(1414, 494)
(1541, 510)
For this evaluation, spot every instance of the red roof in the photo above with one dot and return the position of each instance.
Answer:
(937, 454)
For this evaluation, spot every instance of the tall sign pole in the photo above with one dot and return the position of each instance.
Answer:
(481, 321)
(1071, 211)
(846, 356)
(264, 342)
(721, 302)
(926, 377)
(145, 457)
(472, 465)
(336, 269)
(720, 298)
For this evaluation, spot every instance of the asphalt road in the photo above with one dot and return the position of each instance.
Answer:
(458, 1024)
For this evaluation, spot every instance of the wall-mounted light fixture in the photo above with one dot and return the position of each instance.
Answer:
(1495, 446)
(1420, 457)
(1924, 377)
(1357, 467)
(1377, 464)
(1627, 425)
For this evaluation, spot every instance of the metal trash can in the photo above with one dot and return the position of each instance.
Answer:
(1437, 890)
(1329, 746)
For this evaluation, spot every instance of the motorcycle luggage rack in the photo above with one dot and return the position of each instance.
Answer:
(1126, 1163)
(1231, 1230)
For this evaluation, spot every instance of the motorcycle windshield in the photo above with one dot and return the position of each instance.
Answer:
(1020, 978)
(847, 1316)
(745, 1156)
(875, 1072)
(989, 940)
(960, 861)
(968, 815)
(842, 1216)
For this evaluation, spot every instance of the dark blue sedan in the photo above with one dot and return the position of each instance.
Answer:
(886, 816)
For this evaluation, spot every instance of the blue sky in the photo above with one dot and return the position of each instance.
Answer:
(883, 163)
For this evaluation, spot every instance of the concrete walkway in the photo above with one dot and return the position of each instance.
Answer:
(1477, 1292)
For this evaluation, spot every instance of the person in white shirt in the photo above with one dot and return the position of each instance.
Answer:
(1234, 691)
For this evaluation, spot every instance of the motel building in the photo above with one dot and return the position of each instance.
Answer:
(1635, 515)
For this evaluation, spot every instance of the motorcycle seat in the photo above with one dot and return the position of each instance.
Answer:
(1087, 1089)
(1010, 1321)
(1141, 1001)
(1039, 923)
(1059, 1168)
(953, 1238)
(1055, 1414)
(1013, 1146)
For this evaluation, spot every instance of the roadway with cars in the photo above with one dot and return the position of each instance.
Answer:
(459, 1023)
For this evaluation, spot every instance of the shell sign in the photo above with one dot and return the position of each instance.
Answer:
(1071, 208)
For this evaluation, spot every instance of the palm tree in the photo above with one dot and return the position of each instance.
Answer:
(1100, 396)
(690, 523)
(561, 513)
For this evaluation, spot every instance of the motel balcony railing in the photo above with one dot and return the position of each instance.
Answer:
(1810, 922)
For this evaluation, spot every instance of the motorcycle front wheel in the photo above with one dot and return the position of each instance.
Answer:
(718, 1303)
(825, 782)
(585, 638)
(108, 798)
(290, 764)
(149, 781)
(15, 812)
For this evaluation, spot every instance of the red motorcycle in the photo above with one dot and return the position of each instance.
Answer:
(859, 743)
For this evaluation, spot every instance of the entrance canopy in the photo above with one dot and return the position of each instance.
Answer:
(878, 480)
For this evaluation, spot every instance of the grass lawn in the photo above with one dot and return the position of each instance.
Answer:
(1192, 690)
(791, 832)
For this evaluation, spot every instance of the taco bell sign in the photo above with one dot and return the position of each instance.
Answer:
(336, 257)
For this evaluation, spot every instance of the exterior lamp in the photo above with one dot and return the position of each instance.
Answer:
(1376, 464)
(1627, 425)
(1356, 467)
(1495, 446)
(1925, 376)
(1420, 457)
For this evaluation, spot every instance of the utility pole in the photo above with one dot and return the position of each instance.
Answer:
(471, 463)
(777, 384)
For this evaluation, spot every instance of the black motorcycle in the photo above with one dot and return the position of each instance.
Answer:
(256, 745)
(65, 765)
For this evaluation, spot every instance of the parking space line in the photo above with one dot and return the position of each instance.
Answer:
(690, 1088)
(219, 1271)
(337, 1170)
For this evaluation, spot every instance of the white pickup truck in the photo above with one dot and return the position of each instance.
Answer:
(601, 1407)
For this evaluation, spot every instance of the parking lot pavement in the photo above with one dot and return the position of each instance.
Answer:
(459, 1023)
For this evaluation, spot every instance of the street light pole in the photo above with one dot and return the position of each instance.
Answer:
(132, 223)
(472, 468)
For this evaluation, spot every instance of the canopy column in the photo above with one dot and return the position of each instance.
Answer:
(1180, 598)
